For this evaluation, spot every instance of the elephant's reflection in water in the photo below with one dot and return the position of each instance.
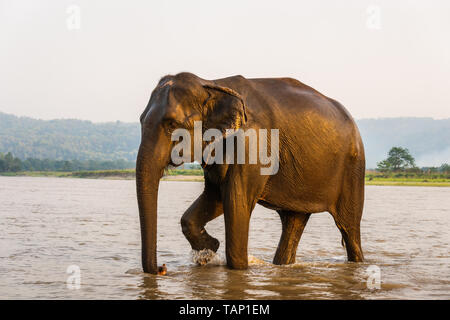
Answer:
(335, 280)
(332, 280)
(219, 282)
(149, 288)
(205, 282)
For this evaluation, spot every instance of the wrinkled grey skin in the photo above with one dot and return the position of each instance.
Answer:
(321, 162)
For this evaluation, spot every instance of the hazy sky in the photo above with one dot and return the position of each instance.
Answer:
(379, 58)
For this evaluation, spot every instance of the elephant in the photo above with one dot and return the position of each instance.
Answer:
(321, 163)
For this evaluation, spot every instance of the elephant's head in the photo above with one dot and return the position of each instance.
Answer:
(176, 102)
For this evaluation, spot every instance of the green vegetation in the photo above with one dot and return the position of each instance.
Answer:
(9, 163)
(58, 174)
(399, 169)
(68, 139)
(188, 174)
(12, 166)
(428, 139)
(34, 147)
(184, 172)
(372, 177)
(99, 174)
(398, 159)
(401, 164)
(408, 179)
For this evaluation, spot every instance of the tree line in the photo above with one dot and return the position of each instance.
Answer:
(400, 160)
(9, 163)
(68, 139)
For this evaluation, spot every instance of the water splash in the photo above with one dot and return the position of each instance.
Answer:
(207, 256)
(254, 261)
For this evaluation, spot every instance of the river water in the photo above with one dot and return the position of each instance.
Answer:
(49, 226)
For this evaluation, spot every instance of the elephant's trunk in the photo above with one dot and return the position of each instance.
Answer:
(149, 169)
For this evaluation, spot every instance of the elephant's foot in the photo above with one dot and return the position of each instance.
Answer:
(285, 257)
(203, 245)
(202, 240)
(354, 252)
(205, 241)
(204, 248)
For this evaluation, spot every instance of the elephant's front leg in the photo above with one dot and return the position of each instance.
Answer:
(239, 196)
(237, 212)
(207, 207)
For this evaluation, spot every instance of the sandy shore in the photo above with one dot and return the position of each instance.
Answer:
(129, 175)
(183, 178)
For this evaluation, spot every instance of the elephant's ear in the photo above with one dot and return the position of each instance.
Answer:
(224, 108)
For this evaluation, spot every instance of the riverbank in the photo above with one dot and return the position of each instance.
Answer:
(128, 174)
(418, 179)
(197, 175)
(408, 182)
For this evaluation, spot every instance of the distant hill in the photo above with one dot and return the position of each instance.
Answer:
(68, 139)
(428, 140)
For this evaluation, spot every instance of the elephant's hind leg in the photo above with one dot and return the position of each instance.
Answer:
(293, 225)
(351, 235)
(207, 207)
(347, 216)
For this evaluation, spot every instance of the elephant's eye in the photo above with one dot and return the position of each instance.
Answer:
(171, 125)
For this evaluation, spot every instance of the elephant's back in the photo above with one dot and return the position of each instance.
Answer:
(319, 140)
(296, 98)
(292, 106)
